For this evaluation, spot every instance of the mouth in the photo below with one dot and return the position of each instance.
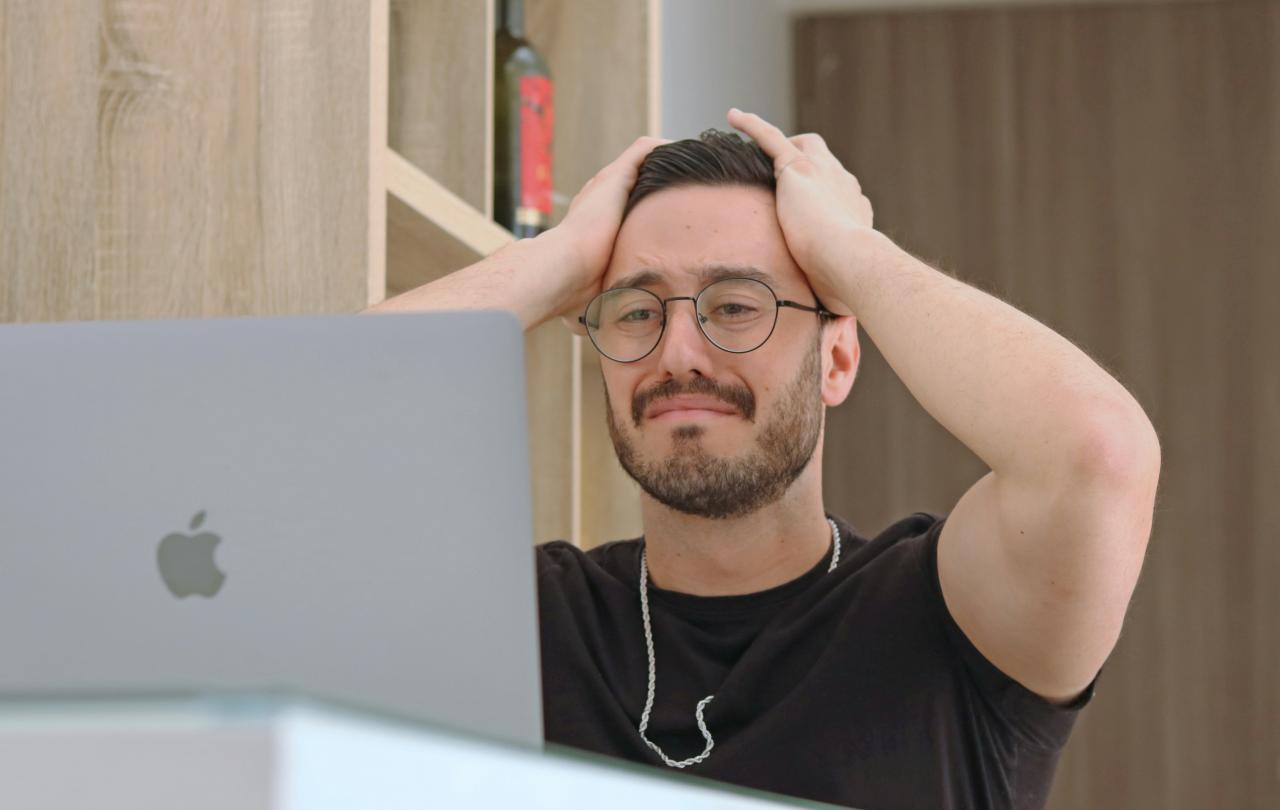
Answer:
(689, 413)
(690, 408)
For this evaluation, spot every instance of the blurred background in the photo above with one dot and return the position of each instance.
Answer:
(1110, 168)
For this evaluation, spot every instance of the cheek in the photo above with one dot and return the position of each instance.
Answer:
(620, 390)
(620, 386)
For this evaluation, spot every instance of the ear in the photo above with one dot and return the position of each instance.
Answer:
(573, 325)
(841, 354)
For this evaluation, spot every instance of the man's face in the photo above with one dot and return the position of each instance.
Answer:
(714, 465)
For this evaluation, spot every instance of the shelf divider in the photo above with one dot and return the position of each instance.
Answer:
(430, 230)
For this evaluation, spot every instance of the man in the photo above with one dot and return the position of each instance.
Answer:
(940, 664)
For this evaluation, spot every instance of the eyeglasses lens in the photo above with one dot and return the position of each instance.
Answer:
(735, 314)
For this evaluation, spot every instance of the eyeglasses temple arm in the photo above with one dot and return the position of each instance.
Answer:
(798, 305)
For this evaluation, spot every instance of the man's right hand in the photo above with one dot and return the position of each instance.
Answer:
(557, 272)
(591, 225)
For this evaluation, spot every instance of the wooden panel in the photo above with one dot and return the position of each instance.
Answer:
(603, 96)
(611, 499)
(376, 219)
(549, 393)
(599, 59)
(1114, 171)
(184, 159)
(441, 98)
(418, 250)
(430, 231)
(437, 78)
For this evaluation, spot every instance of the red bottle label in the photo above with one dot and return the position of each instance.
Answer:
(537, 120)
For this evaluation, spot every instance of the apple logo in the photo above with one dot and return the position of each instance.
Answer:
(186, 562)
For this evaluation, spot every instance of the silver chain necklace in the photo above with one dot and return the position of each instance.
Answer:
(648, 642)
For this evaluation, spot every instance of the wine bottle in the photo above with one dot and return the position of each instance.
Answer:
(523, 127)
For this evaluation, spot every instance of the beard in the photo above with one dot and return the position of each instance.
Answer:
(692, 481)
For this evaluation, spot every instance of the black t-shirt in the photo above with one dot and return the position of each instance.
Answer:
(854, 686)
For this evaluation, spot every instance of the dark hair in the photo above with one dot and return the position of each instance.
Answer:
(714, 158)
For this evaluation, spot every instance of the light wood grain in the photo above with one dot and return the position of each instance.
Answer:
(599, 56)
(419, 250)
(376, 252)
(184, 159)
(433, 231)
(611, 499)
(440, 116)
(604, 101)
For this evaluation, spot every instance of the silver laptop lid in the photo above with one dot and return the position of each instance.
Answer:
(360, 483)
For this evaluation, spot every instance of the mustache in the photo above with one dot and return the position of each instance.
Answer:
(740, 398)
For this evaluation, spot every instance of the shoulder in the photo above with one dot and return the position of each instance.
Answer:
(901, 546)
(556, 554)
(562, 560)
(917, 524)
(1043, 723)
(898, 572)
(577, 586)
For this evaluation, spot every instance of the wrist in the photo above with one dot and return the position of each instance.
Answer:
(863, 250)
(543, 272)
(568, 278)
(560, 249)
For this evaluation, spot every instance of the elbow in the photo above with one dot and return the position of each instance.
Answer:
(1120, 448)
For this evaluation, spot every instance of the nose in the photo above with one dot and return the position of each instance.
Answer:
(684, 351)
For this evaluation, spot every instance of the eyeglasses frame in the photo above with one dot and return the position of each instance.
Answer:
(779, 303)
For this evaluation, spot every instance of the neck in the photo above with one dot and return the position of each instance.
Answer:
(767, 548)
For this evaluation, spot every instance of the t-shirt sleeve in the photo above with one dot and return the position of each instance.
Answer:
(1037, 720)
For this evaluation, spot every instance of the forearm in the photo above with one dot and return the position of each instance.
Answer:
(518, 277)
(1023, 398)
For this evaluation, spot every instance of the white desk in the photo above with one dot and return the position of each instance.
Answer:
(289, 752)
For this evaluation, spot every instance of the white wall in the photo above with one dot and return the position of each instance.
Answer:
(718, 54)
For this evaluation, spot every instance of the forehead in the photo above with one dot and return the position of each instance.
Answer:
(685, 238)
(651, 277)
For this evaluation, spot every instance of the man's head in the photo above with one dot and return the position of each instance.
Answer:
(697, 208)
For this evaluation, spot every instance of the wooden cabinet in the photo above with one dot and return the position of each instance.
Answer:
(439, 179)
(186, 160)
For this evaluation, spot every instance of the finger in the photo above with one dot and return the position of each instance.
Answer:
(798, 160)
(624, 169)
(810, 141)
(771, 139)
(634, 155)
(645, 143)
(814, 145)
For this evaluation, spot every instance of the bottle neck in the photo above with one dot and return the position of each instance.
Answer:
(511, 16)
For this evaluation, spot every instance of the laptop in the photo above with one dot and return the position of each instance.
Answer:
(333, 505)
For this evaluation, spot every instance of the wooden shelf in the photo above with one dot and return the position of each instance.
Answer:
(430, 230)
(438, 171)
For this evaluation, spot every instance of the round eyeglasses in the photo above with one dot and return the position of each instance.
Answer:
(736, 314)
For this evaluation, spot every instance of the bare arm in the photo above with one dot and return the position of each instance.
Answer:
(1023, 398)
(1039, 558)
(525, 277)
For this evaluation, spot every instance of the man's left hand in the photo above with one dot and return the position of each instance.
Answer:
(820, 205)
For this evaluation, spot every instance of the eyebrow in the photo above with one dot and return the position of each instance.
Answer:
(706, 275)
